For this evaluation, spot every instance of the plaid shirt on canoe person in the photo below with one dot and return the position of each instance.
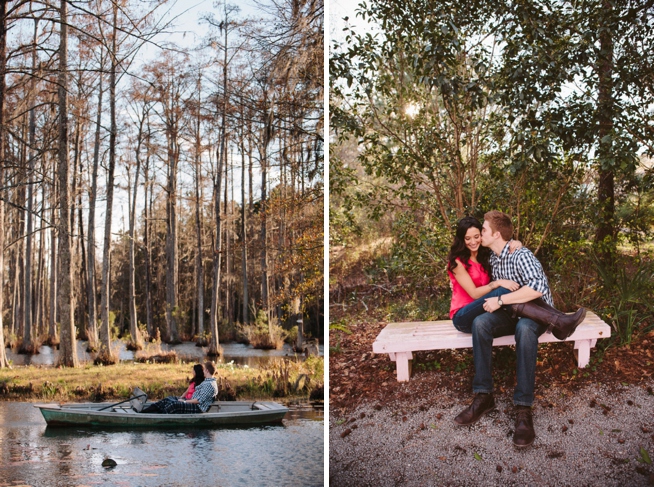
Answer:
(199, 403)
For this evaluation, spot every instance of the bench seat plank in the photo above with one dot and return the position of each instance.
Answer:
(399, 340)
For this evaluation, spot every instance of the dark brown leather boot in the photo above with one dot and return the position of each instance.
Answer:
(561, 325)
(524, 427)
(152, 408)
(480, 404)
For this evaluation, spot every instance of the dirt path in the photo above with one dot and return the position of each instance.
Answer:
(590, 423)
(599, 435)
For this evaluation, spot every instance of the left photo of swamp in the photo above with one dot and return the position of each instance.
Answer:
(161, 241)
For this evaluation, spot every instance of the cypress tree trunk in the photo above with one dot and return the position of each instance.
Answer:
(40, 281)
(171, 233)
(244, 239)
(137, 342)
(68, 355)
(198, 224)
(93, 337)
(214, 345)
(228, 250)
(146, 243)
(267, 137)
(29, 345)
(53, 336)
(3, 63)
(105, 331)
(83, 274)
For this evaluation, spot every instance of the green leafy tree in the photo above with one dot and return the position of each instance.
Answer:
(417, 98)
(577, 77)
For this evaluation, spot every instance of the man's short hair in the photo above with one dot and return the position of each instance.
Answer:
(500, 222)
(210, 367)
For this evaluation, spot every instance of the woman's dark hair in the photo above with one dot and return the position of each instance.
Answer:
(198, 378)
(461, 252)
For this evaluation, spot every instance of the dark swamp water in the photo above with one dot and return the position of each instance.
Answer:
(32, 454)
(232, 352)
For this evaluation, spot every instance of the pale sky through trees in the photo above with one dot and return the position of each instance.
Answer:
(339, 9)
(187, 32)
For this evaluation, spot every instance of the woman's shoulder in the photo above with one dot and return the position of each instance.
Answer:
(456, 266)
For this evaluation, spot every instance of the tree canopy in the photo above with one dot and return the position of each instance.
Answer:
(541, 109)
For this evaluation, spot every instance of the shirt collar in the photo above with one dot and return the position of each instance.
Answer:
(505, 251)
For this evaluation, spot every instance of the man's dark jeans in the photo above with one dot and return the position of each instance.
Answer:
(488, 326)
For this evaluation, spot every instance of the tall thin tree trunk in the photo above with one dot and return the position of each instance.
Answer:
(83, 274)
(605, 234)
(3, 64)
(40, 281)
(68, 355)
(53, 334)
(171, 235)
(29, 345)
(20, 227)
(232, 236)
(91, 287)
(18, 317)
(74, 243)
(137, 342)
(198, 221)
(214, 345)
(171, 109)
(267, 137)
(244, 239)
(105, 331)
(250, 169)
(282, 281)
(146, 243)
(228, 249)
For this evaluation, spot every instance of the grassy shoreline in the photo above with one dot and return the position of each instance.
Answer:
(285, 380)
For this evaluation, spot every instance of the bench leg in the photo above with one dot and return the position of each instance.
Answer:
(583, 351)
(402, 365)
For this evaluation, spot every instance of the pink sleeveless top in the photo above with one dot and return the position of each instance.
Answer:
(459, 295)
(191, 390)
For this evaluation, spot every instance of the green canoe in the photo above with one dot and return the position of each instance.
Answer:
(221, 413)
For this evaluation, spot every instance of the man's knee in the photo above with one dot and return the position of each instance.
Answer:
(526, 329)
(483, 323)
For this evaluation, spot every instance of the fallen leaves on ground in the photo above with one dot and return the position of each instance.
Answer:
(357, 375)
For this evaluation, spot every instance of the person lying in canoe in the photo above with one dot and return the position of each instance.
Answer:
(200, 402)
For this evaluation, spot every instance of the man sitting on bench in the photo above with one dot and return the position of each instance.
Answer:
(502, 319)
(199, 403)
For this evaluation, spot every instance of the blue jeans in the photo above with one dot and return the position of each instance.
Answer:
(490, 325)
(464, 317)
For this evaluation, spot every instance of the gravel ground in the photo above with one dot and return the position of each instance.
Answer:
(593, 437)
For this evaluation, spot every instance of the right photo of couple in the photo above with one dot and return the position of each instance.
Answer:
(491, 260)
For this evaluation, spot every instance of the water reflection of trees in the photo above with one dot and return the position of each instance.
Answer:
(238, 353)
(33, 454)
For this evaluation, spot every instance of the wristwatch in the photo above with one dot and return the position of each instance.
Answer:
(499, 301)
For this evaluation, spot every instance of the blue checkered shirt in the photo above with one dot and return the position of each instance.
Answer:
(205, 393)
(522, 267)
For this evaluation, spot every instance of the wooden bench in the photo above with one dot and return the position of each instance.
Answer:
(400, 340)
